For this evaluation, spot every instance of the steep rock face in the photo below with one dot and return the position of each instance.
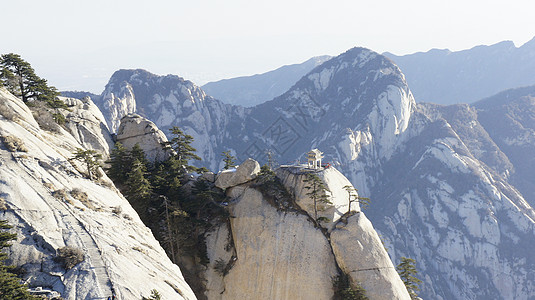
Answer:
(276, 252)
(52, 205)
(134, 129)
(87, 125)
(171, 101)
(294, 178)
(509, 118)
(268, 252)
(361, 254)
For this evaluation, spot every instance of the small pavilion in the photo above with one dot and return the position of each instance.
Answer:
(314, 159)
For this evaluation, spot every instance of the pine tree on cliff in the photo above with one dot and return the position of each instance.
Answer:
(10, 286)
(317, 191)
(91, 160)
(18, 76)
(353, 196)
(177, 165)
(139, 189)
(119, 163)
(229, 160)
(407, 272)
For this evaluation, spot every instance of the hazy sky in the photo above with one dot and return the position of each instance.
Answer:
(77, 45)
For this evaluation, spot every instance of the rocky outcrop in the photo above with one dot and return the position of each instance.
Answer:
(360, 253)
(134, 129)
(268, 252)
(171, 101)
(277, 255)
(445, 189)
(246, 171)
(52, 205)
(293, 178)
(85, 122)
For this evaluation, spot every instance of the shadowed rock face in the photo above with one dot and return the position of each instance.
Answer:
(135, 129)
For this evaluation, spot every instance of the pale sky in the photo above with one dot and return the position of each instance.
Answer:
(77, 45)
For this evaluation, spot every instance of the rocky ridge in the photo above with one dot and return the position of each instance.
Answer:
(441, 186)
(52, 205)
(252, 90)
(134, 129)
(451, 77)
(269, 252)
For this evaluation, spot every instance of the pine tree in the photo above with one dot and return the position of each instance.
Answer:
(10, 286)
(407, 272)
(229, 160)
(182, 150)
(119, 161)
(317, 191)
(177, 165)
(354, 197)
(18, 76)
(90, 158)
(139, 190)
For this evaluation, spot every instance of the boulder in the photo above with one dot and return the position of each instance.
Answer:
(245, 172)
(135, 129)
(360, 253)
(208, 176)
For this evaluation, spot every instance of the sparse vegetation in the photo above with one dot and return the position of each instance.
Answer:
(353, 196)
(407, 272)
(81, 196)
(344, 291)
(91, 159)
(117, 210)
(273, 190)
(138, 249)
(18, 76)
(69, 257)
(229, 160)
(3, 204)
(61, 194)
(317, 191)
(44, 117)
(10, 285)
(7, 112)
(59, 118)
(13, 143)
(154, 295)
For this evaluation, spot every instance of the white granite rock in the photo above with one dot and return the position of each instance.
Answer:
(134, 129)
(247, 171)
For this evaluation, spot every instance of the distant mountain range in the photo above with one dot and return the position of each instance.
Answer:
(436, 76)
(445, 77)
(451, 186)
(249, 91)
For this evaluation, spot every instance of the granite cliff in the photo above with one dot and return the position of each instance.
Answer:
(46, 196)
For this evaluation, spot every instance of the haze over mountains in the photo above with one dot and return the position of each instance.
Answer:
(449, 187)
(249, 91)
(436, 76)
